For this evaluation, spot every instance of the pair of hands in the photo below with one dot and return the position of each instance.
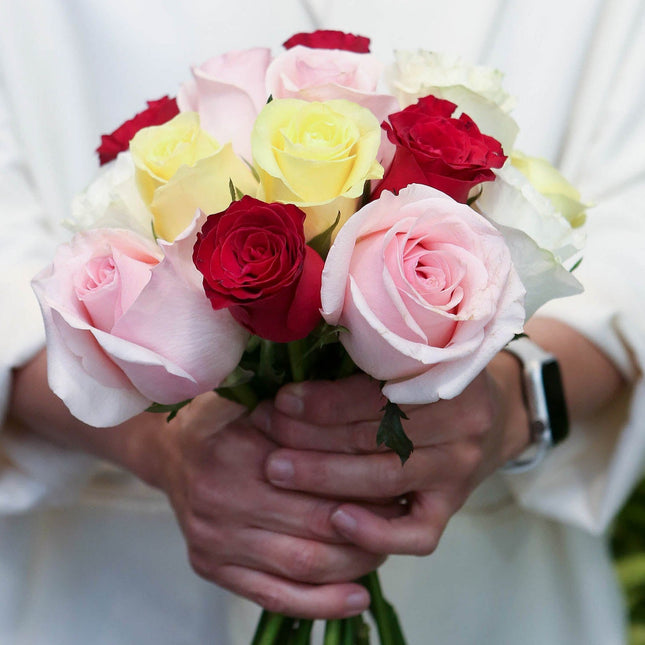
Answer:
(290, 505)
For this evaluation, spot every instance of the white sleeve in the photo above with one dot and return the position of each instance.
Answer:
(585, 480)
(32, 471)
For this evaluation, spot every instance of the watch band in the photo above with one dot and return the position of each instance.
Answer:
(544, 400)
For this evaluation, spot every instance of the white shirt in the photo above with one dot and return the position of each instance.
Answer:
(522, 561)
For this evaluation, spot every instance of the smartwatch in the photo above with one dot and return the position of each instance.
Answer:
(544, 399)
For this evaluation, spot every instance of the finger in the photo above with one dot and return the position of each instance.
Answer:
(356, 398)
(293, 598)
(358, 437)
(375, 476)
(307, 516)
(302, 560)
(416, 533)
(426, 425)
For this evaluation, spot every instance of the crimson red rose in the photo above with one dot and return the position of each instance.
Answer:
(330, 39)
(437, 150)
(157, 113)
(255, 261)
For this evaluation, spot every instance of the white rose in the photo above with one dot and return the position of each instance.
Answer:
(112, 200)
(543, 244)
(476, 90)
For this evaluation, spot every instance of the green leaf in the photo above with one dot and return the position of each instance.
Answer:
(575, 266)
(365, 196)
(171, 409)
(321, 242)
(236, 193)
(391, 433)
(270, 98)
(252, 169)
(471, 200)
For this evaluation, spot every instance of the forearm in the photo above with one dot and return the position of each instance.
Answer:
(132, 445)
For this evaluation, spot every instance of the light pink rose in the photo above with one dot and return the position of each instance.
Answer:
(326, 74)
(128, 324)
(428, 293)
(228, 91)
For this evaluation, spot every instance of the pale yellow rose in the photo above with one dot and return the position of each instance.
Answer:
(179, 168)
(317, 156)
(549, 182)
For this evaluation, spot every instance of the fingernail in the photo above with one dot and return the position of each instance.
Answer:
(357, 601)
(289, 400)
(344, 522)
(261, 418)
(280, 470)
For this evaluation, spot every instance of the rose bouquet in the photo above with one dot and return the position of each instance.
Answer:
(284, 218)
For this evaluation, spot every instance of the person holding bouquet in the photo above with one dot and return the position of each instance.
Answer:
(288, 507)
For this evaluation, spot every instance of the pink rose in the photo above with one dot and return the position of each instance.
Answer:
(128, 325)
(228, 91)
(326, 74)
(428, 293)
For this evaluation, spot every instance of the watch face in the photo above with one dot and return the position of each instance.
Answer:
(556, 404)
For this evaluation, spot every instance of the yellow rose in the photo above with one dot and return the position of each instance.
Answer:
(548, 181)
(317, 156)
(179, 168)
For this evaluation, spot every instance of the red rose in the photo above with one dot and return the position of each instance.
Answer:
(255, 261)
(157, 113)
(330, 39)
(434, 149)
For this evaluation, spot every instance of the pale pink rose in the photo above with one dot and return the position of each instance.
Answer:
(228, 91)
(128, 324)
(326, 74)
(427, 291)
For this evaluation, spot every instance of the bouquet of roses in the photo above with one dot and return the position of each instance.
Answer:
(284, 218)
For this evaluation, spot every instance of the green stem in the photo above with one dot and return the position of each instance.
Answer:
(265, 371)
(268, 629)
(349, 632)
(362, 630)
(296, 350)
(387, 623)
(332, 632)
(303, 632)
(245, 395)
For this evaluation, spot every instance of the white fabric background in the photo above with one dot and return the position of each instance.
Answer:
(103, 562)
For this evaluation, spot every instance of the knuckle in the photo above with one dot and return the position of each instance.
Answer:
(305, 563)
(362, 437)
(424, 543)
(319, 520)
(270, 599)
(201, 494)
(479, 419)
(200, 564)
(470, 458)
(389, 477)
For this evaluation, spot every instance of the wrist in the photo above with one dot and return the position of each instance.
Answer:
(516, 437)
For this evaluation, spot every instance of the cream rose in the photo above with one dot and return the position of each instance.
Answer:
(317, 156)
(551, 183)
(542, 241)
(476, 90)
(112, 201)
(180, 168)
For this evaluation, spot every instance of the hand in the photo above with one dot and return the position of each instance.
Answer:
(273, 546)
(328, 433)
